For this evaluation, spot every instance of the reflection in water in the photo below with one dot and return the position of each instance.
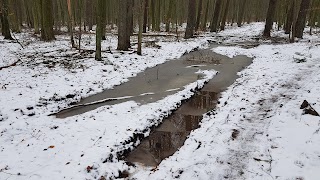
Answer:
(172, 133)
(204, 100)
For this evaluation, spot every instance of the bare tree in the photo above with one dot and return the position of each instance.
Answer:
(70, 23)
(191, 19)
(242, 6)
(224, 16)
(4, 20)
(145, 15)
(124, 24)
(215, 19)
(270, 18)
(47, 21)
(289, 18)
(199, 15)
(141, 5)
(301, 20)
(99, 29)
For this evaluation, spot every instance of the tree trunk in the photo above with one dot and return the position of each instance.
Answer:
(191, 19)
(312, 18)
(28, 13)
(224, 16)
(289, 19)
(241, 12)
(123, 25)
(215, 18)
(103, 19)
(130, 19)
(145, 15)
(270, 18)
(292, 37)
(153, 15)
(89, 14)
(47, 21)
(157, 10)
(70, 23)
(80, 24)
(99, 28)
(199, 15)
(205, 18)
(36, 16)
(141, 7)
(15, 23)
(169, 15)
(4, 20)
(301, 20)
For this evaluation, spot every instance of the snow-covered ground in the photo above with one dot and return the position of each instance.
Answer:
(37, 146)
(257, 132)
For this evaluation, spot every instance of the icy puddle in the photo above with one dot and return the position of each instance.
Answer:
(154, 83)
(171, 134)
(163, 80)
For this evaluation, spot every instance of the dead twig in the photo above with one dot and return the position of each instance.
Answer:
(18, 41)
(100, 137)
(13, 64)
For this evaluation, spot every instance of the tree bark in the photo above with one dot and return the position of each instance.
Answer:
(80, 24)
(191, 19)
(241, 12)
(301, 20)
(157, 10)
(199, 15)
(47, 21)
(153, 15)
(16, 21)
(70, 23)
(99, 28)
(36, 16)
(141, 5)
(169, 15)
(205, 18)
(270, 18)
(89, 14)
(4, 20)
(145, 15)
(289, 19)
(291, 36)
(224, 16)
(215, 19)
(123, 25)
(103, 19)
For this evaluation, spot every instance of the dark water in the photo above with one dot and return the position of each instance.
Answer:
(151, 85)
(172, 133)
(163, 80)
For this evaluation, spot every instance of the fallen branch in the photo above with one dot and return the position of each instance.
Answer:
(259, 160)
(13, 64)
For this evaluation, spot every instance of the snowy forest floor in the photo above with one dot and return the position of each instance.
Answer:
(257, 131)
